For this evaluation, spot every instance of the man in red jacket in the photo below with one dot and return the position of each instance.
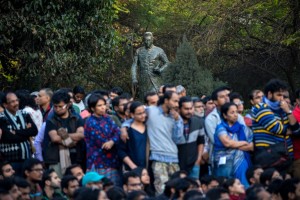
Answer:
(296, 138)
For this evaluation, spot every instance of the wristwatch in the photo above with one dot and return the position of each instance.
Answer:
(290, 112)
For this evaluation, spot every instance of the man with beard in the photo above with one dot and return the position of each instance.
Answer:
(63, 142)
(17, 128)
(273, 121)
(33, 172)
(118, 104)
(69, 184)
(190, 147)
(50, 183)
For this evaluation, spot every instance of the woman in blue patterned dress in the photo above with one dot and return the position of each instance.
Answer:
(101, 135)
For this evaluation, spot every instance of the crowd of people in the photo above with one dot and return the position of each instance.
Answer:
(69, 144)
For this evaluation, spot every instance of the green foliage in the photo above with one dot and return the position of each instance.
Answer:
(186, 71)
(58, 42)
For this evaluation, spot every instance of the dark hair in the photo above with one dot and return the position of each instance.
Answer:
(85, 193)
(266, 176)
(65, 181)
(182, 186)
(78, 89)
(229, 182)
(297, 94)
(126, 95)
(2, 94)
(275, 186)
(128, 175)
(25, 99)
(60, 96)
(46, 176)
(206, 99)
(207, 179)
(3, 192)
(192, 195)
(21, 182)
(185, 99)
(134, 105)
(169, 185)
(250, 172)
(93, 100)
(167, 95)
(101, 92)
(106, 183)
(235, 95)
(288, 186)
(21, 94)
(192, 181)
(214, 94)
(116, 90)
(3, 163)
(148, 94)
(251, 95)
(7, 183)
(134, 195)
(177, 174)
(225, 108)
(29, 163)
(116, 100)
(69, 169)
(168, 86)
(253, 191)
(116, 193)
(216, 193)
(275, 85)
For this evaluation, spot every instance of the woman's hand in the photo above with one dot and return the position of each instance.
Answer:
(108, 145)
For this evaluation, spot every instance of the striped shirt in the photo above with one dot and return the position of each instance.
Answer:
(269, 127)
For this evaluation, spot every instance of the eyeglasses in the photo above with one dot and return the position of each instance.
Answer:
(8, 170)
(37, 170)
(135, 184)
(56, 107)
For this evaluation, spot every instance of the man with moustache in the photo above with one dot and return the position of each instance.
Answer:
(50, 183)
(17, 127)
(273, 122)
(190, 147)
(63, 141)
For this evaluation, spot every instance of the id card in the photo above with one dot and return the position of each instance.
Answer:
(222, 160)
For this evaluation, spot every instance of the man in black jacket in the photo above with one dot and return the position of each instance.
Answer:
(190, 148)
(17, 127)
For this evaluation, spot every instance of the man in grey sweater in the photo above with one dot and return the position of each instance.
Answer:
(165, 130)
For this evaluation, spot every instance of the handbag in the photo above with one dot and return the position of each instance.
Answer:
(275, 156)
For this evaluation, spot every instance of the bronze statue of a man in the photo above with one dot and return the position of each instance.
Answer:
(150, 61)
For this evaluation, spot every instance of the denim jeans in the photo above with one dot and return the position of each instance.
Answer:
(194, 173)
(225, 170)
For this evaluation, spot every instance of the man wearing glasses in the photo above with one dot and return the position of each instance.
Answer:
(17, 128)
(64, 135)
(33, 171)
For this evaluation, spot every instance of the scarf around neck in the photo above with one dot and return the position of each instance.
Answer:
(274, 105)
